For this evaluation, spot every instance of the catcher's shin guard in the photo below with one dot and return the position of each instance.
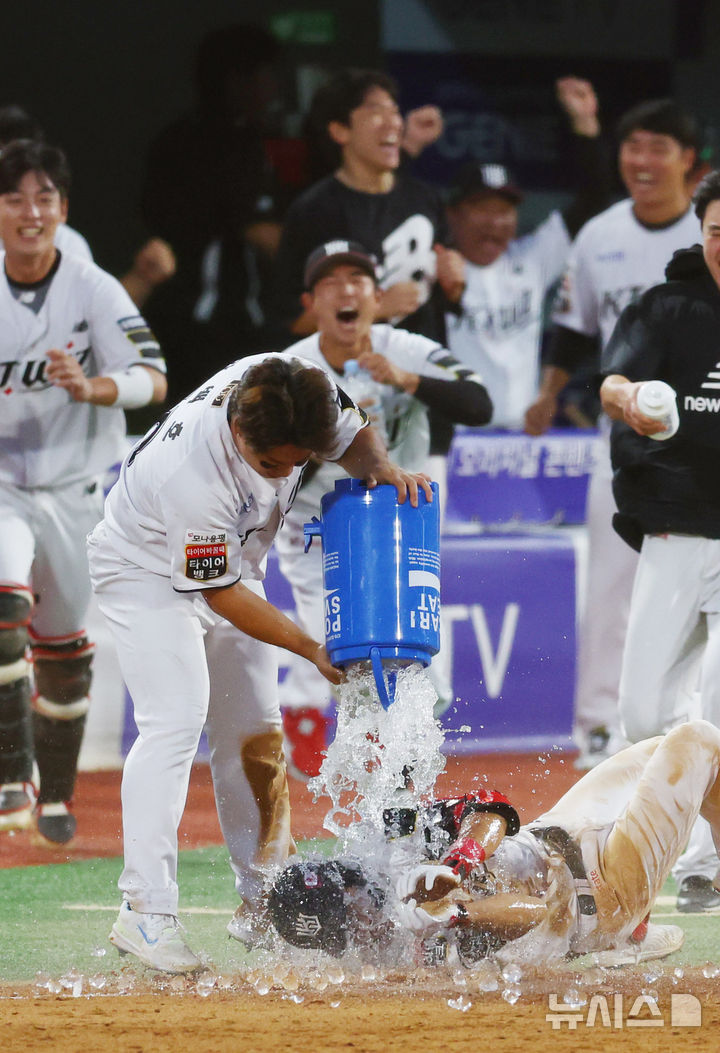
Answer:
(16, 741)
(62, 686)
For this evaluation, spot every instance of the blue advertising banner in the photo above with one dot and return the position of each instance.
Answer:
(508, 608)
(499, 479)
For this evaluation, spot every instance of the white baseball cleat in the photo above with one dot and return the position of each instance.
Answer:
(660, 941)
(156, 939)
(17, 800)
(249, 926)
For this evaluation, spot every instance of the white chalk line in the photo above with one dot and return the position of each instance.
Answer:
(114, 908)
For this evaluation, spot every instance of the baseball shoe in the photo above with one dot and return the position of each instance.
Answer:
(55, 822)
(698, 895)
(659, 942)
(306, 740)
(17, 800)
(249, 926)
(156, 939)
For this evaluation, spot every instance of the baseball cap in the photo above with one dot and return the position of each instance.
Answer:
(325, 257)
(475, 178)
(308, 906)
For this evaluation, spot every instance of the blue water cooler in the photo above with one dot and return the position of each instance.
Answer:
(381, 575)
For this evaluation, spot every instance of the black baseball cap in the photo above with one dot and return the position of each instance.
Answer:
(325, 257)
(476, 178)
(308, 906)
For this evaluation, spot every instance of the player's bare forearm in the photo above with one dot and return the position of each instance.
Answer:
(366, 458)
(253, 615)
(614, 395)
(487, 828)
(539, 415)
(64, 371)
(619, 400)
(506, 914)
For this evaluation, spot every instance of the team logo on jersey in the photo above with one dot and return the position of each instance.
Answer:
(713, 379)
(205, 555)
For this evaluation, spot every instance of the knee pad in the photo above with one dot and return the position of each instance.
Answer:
(62, 686)
(63, 673)
(16, 741)
(16, 604)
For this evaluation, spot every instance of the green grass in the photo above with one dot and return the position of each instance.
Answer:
(40, 931)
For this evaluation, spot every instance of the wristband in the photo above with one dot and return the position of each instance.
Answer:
(464, 856)
(134, 387)
(461, 917)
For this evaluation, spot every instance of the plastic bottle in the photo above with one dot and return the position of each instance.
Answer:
(657, 399)
(365, 391)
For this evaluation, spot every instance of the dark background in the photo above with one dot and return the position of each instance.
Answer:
(103, 78)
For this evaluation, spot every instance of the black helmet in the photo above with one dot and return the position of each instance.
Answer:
(308, 903)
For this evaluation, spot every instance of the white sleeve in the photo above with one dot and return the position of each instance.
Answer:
(72, 243)
(427, 358)
(576, 304)
(547, 246)
(119, 336)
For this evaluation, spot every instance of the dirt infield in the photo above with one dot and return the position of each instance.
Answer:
(407, 1013)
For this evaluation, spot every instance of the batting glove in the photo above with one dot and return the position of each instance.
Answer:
(426, 874)
(417, 919)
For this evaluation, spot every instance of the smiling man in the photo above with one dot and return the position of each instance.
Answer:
(73, 354)
(498, 321)
(369, 199)
(406, 375)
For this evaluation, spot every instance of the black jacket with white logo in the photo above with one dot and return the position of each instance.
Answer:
(671, 333)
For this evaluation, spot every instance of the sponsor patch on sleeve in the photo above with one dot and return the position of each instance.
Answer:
(205, 555)
(141, 335)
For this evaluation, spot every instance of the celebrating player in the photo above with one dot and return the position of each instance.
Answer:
(177, 565)
(496, 325)
(615, 257)
(74, 353)
(404, 374)
(581, 878)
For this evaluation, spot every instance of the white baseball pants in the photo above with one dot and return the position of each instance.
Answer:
(183, 666)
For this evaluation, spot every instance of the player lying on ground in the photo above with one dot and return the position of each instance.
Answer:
(581, 878)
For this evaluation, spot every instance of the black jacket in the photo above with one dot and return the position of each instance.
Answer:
(672, 333)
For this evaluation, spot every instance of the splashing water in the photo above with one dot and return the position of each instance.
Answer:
(379, 758)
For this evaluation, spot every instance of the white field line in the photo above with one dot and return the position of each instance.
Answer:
(114, 908)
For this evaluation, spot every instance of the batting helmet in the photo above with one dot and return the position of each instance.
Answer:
(308, 903)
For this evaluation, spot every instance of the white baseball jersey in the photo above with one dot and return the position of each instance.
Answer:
(187, 506)
(46, 438)
(406, 418)
(613, 260)
(71, 242)
(500, 329)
